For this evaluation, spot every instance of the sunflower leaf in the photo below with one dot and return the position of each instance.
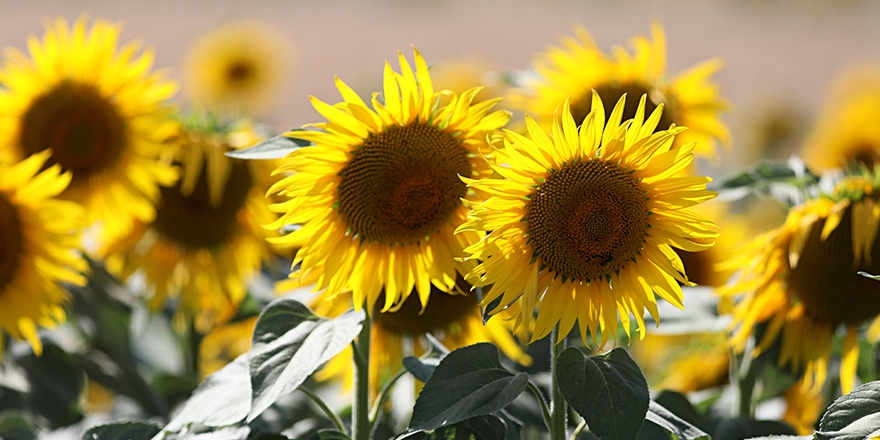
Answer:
(867, 275)
(273, 148)
(853, 416)
(15, 427)
(289, 344)
(783, 181)
(222, 399)
(664, 418)
(608, 391)
(475, 428)
(421, 369)
(468, 382)
(122, 431)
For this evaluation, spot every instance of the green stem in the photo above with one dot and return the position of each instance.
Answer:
(548, 420)
(375, 413)
(577, 431)
(558, 407)
(360, 417)
(330, 414)
(745, 375)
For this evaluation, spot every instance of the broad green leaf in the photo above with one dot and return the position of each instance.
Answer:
(122, 431)
(608, 391)
(783, 181)
(468, 382)
(273, 148)
(484, 427)
(853, 416)
(664, 418)
(222, 399)
(736, 428)
(14, 427)
(56, 385)
(289, 344)
(420, 369)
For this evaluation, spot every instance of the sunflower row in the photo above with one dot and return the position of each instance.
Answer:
(427, 207)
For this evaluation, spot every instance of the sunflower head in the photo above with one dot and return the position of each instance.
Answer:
(40, 246)
(237, 68)
(582, 226)
(847, 130)
(578, 70)
(100, 111)
(377, 198)
(207, 236)
(802, 279)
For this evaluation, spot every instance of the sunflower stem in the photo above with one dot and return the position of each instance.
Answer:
(745, 375)
(558, 407)
(376, 411)
(360, 408)
(548, 419)
(329, 412)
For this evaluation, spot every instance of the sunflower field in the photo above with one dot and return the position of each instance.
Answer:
(449, 220)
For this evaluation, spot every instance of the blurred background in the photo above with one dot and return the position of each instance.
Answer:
(780, 57)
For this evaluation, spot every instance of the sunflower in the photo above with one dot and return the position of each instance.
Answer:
(455, 320)
(579, 67)
(376, 200)
(207, 237)
(848, 129)
(99, 111)
(40, 240)
(225, 343)
(801, 281)
(237, 68)
(583, 225)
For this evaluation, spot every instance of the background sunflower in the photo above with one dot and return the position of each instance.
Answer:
(99, 110)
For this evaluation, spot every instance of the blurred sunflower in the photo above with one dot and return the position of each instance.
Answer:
(454, 319)
(207, 237)
(849, 127)
(579, 66)
(802, 281)
(99, 110)
(237, 68)
(459, 75)
(802, 408)
(684, 362)
(40, 241)
(378, 197)
(225, 343)
(582, 229)
(707, 268)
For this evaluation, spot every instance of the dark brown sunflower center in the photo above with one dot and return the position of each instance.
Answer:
(867, 155)
(11, 241)
(403, 184)
(442, 311)
(193, 221)
(610, 94)
(700, 267)
(828, 283)
(588, 220)
(84, 130)
(239, 72)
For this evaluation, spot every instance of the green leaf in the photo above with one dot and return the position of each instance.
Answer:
(608, 391)
(664, 418)
(14, 427)
(222, 399)
(783, 181)
(468, 382)
(739, 428)
(122, 431)
(421, 369)
(56, 384)
(289, 344)
(273, 148)
(484, 427)
(783, 437)
(852, 416)
(867, 275)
